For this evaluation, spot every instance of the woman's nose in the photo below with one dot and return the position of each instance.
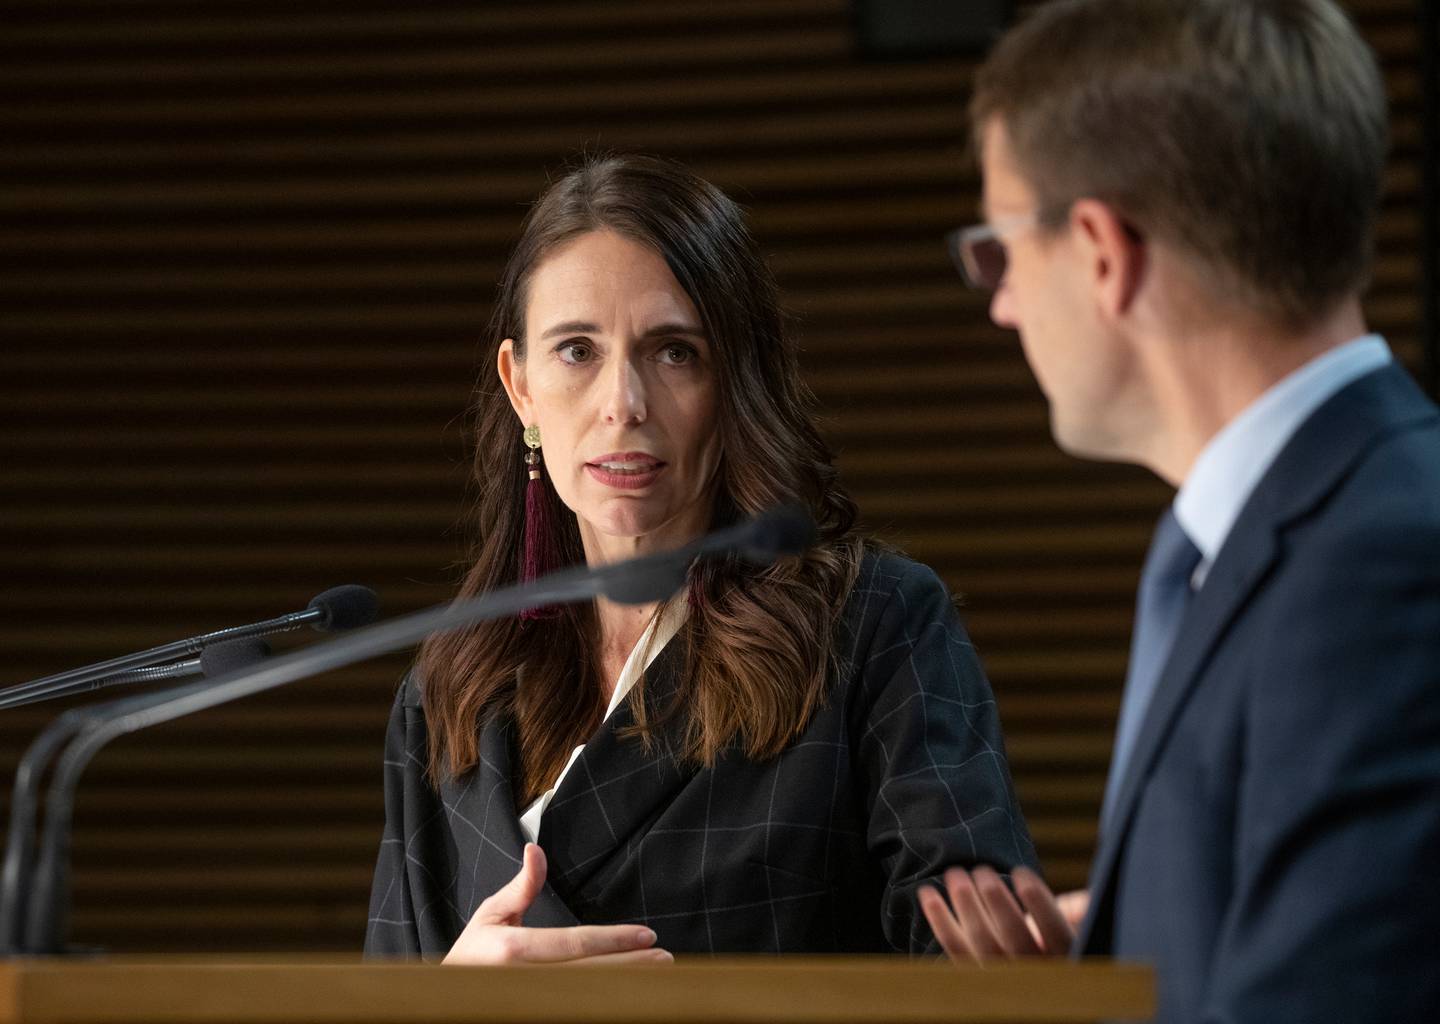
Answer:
(624, 398)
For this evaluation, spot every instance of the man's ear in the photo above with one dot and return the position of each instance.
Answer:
(1116, 253)
(512, 375)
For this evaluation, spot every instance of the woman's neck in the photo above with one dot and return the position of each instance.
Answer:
(620, 628)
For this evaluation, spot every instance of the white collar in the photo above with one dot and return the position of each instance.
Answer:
(1232, 463)
(658, 633)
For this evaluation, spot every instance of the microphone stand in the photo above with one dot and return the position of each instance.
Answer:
(638, 581)
(108, 673)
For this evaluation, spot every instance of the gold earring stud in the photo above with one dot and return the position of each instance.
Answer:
(531, 438)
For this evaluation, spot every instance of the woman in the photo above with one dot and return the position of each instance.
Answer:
(772, 761)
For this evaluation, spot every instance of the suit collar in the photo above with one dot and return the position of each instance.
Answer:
(1323, 452)
(616, 787)
(484, 801)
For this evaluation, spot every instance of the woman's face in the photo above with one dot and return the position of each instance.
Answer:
(619, 377)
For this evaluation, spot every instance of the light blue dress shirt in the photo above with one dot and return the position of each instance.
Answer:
(1230, 466)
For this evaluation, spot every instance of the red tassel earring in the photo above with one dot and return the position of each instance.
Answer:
(542, 552)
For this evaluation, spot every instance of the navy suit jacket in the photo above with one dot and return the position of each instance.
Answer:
(1275, 846)
(899, 775)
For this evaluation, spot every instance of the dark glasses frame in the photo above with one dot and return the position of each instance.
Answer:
(979, 251)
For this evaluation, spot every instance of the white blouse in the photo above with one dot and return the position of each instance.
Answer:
(661, 631)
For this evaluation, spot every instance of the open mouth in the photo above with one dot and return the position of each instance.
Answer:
(627, 470)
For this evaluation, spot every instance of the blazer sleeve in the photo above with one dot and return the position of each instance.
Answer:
(1336, 898)
(937, 786)
(390, 929)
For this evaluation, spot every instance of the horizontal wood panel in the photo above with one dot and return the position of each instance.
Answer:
(706, 990)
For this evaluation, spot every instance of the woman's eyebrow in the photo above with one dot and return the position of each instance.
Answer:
(676, 328)
(659, 330)
(571, 327)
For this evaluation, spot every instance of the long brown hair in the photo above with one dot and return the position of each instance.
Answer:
(758, 642)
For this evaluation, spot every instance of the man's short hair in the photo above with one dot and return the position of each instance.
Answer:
(1249, 134)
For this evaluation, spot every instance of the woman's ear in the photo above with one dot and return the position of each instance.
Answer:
(512, 375)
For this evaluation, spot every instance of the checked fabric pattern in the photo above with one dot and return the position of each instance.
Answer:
(901, 774)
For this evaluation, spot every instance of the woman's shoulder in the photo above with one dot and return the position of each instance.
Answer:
(409, 695)
(892, 587)
(900, 624)
(887, 574)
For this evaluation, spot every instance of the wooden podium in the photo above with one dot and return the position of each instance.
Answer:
(848, 990)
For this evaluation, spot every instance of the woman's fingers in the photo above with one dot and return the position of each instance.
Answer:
(982, 919)
(509, 903)
(1007, 920)
(634, 956)
(970, 912)
(942, 922)
(1055, 931)
(582, 942)
(494, 934)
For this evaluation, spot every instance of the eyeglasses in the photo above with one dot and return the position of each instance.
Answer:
(979, 253)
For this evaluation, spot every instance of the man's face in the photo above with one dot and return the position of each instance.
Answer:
(1048, 296)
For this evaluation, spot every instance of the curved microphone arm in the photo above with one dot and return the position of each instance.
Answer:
(337, 608)
(98, 725)
(19, 845)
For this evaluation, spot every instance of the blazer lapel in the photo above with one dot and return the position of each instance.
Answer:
(1243, 563)
(615, 789)
(1321, 454)
(482, 818)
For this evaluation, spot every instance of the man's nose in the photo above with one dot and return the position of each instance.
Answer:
(1002, 310)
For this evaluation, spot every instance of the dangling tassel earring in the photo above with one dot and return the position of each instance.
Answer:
(542, 552)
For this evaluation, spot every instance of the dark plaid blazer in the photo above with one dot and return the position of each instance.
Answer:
(901, 774)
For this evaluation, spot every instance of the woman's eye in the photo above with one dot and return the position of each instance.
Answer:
(677, 354)
(574, 352)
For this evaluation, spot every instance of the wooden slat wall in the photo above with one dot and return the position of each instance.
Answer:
(246, 250)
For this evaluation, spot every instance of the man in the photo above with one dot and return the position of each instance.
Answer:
(1180, 199)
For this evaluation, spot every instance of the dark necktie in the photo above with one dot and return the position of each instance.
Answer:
(1161, 603)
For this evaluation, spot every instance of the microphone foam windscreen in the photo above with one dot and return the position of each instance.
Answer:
(233, 655)
(345, 607)
(645, 580)
(782, 531)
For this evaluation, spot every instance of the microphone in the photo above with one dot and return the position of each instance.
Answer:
(213, 661)
(777, 533)
(338, 608)
(232, 656)
(783, 531)
(84, 732)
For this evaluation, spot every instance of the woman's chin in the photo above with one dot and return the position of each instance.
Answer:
(638, 526)
(616, 526)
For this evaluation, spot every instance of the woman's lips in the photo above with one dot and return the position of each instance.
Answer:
(628, 471)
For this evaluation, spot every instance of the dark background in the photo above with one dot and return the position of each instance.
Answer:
(246, 253)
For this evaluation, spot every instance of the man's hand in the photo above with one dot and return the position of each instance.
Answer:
(981, 920)
(495, 935)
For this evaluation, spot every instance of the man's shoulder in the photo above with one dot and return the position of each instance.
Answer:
(1375, 444)
(1360, 566)
(1391, 491)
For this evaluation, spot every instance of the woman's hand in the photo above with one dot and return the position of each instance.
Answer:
(495, 935)
(981, 921)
